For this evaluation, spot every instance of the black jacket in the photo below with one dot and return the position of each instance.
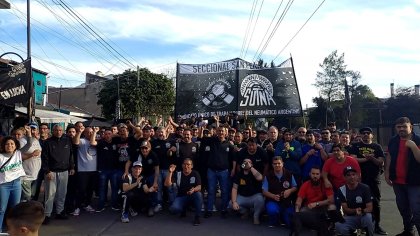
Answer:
(57, 154)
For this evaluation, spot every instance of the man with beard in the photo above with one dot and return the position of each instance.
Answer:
(402, 172)
(246, 191)
(371, 160)
(290, 151)
(313, 155)
(184, 149)
(316, 200)
(254, 153)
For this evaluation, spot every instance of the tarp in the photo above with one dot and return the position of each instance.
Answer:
(236, 86)
(52, 116)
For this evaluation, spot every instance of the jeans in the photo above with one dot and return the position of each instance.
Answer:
(55, 192)
(408, 203)
(85, 182)
(113, 177)
(356, 222)
(255, 201)
(274, 210)
(10, 193)
(172, 190)
(223, 177)
(155, 197)
(180, 203)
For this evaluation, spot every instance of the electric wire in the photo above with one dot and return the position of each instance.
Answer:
(251, 16)
(253, 29)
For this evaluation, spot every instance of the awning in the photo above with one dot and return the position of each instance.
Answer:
(52, 116)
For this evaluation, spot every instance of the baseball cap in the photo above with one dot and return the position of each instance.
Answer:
(365, 129)
(147, 127)
(349, 169)
(33, 125)
(144, 143)
(137, 163)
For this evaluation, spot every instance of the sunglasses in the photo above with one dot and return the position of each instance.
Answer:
(366, 133)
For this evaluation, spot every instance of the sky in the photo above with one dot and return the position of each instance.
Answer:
(379, 38)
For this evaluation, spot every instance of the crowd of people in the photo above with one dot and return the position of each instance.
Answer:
(327, 181)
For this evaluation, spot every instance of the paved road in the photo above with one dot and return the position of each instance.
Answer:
(108, 223)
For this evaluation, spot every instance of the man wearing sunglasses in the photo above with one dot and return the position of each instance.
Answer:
(371, 160)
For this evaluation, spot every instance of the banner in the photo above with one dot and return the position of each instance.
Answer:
(236, 86)
(15, 84)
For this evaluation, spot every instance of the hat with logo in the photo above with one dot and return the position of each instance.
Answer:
(365, 129)
(349, 169)
(137, 163)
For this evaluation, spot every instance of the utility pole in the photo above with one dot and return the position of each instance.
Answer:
(31, 102)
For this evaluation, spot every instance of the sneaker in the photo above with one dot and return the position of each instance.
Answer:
(115, 208)
(47, 220)
(157, 208)
(380, 231)
(62, 216)
(76, 212)
(214, 208)
(196, 221)
(89, 209)
(100, 210)
(207, 214)
(203, 208)
(124, 218)
(132, 212)
(151, 212)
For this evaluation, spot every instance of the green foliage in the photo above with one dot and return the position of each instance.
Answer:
(405, 103)
(150, 94)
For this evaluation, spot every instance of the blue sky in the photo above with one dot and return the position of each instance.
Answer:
(379, 37)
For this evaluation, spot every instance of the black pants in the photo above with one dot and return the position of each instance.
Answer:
(135, 199)
(311, 219)
(374, 185)
(85, 186)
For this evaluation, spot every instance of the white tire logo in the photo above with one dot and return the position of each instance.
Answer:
(256, 90)
(216, 95)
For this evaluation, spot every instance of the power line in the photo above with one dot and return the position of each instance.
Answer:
(313, 13)
(253, 29)
(279, 21)
(266, 32)
(251, 16)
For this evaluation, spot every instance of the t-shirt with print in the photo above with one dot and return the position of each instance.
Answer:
(187, 181)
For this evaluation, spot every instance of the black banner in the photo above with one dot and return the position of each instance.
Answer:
(237, 86)
(15, 84)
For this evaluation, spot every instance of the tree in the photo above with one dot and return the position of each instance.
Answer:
(404, 103)
(330, 81)
(146, 94)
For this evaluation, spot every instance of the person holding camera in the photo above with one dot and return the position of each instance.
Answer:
(246, 191)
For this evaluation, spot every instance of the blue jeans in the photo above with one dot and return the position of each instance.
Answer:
(113, 176)
(155, 197)
(223, 177)
(274, 210)
(180, 203)
(10, 193)
(172, 190)
(355, 222)
(408, 203)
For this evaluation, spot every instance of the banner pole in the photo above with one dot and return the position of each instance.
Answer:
(297, 89)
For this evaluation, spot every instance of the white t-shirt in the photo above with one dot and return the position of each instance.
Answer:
(86, 156)
(33, 164)
(13, 169)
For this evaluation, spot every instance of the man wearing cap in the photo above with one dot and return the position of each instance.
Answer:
(371, 160)
(188, 182)
(402, 172)
(135, 192)
(151, 173)
(356, 202)
(262, 136)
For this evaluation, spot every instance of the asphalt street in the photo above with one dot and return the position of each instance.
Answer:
(108, 223)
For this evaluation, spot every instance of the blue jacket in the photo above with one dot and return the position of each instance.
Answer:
(290, 158)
